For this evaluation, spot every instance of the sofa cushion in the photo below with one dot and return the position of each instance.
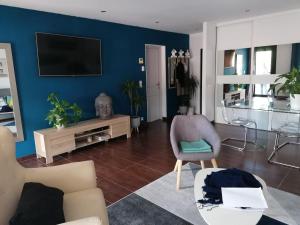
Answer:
(39, 205)
(86, 203)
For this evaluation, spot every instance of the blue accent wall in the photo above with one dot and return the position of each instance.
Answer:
(121, 47)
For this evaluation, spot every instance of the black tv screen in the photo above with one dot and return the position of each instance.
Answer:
(60, 55)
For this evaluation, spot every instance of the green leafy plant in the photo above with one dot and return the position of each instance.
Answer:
(190, 85)
(130, 88)
(62, 112)
(291, 82)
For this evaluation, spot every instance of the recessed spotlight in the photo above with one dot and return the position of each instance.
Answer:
(247, 10)
(157, 21)
(103, 11)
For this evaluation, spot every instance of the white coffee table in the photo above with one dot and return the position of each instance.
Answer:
(219, 215)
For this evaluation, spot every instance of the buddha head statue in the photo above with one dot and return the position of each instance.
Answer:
(103, 105)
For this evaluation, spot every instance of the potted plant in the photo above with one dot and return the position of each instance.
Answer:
(137, 103)
(130, 88)
(291, 84)
(62, 112)
(189, 85)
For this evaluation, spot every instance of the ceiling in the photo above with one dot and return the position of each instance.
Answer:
(182, 16)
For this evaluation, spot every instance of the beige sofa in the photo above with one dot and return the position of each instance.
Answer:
(84, 203)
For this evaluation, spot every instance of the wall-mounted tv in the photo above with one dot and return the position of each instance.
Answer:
(60, 55)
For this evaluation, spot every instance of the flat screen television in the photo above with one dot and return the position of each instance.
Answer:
(60, 55)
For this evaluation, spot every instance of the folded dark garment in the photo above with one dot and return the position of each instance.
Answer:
(265, 220)
(226, 178)
(6, 108)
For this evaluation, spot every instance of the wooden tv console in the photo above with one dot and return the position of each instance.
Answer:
(51, 142)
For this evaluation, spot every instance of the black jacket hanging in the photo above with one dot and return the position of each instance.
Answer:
(180, 73)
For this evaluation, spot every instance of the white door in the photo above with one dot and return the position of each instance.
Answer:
(153, 67)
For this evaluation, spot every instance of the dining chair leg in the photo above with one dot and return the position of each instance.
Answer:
(214, 163)
(178, 174)
(176, 166)
(202, 164)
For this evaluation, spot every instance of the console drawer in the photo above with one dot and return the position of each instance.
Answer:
(62, 144)
(119, 129)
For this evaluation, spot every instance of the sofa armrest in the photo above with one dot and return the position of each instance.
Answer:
(85, 221)
(69, 177)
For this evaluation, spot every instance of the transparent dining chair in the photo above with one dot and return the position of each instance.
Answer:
(287, 130)
(232, 119)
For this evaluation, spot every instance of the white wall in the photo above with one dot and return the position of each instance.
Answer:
(163, 81)
(233, 36)
(209, 69)
(276, 29)
(270, 29)
(196, 44)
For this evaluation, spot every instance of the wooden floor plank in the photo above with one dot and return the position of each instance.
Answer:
(123, 166)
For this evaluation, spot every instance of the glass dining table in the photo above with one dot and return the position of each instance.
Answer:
(281, 119)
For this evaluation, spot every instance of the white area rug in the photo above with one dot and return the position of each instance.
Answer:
(283, 206)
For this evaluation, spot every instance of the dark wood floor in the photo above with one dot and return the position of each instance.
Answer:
(123, 166)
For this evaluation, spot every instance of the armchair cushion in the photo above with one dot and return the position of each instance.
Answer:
(195, 146)
(39, 205)
(85, 221)
(87, 203)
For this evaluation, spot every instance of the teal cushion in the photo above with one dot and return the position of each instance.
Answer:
(195, 146)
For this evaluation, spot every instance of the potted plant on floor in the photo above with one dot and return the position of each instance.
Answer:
(130, 88)
(63, 112)
(291, 84)
(137, 103)
(190, 85)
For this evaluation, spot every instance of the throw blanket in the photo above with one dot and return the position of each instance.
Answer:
(226, 178)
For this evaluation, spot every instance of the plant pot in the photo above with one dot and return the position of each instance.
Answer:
(183, 110)
(191, 111)
(58, 127)
(295, 102)
(135, 121)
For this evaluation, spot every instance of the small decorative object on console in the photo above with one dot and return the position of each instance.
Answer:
(103, 105)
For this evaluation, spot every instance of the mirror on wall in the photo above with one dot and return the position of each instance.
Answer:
(277, 59)
(234, 61)
(235, 93)
(9, 103)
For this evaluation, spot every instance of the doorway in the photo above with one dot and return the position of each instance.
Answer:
(155, 58)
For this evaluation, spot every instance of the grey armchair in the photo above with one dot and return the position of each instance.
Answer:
(193, 128)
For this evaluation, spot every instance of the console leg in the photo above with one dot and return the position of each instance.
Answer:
(49, 159)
